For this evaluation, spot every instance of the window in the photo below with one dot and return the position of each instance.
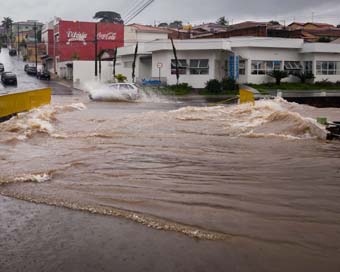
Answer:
(242, 67)
(328, 67)
(292, 66)
(199, 67)
(308, 66)
(182, 66)
(262, 67)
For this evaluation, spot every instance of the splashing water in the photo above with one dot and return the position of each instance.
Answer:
(103, 92)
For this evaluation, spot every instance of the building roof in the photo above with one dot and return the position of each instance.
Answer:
(319, 25)
(151, 29)
(230, 44)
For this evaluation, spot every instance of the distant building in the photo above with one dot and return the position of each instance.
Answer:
(134, 33)
(73, 40)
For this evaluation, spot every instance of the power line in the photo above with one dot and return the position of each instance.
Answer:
(143, 7)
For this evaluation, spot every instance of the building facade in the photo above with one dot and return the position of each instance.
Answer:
(67, 41)
(246, 59)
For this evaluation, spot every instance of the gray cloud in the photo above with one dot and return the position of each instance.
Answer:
(185, 10)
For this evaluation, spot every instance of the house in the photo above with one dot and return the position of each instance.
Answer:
(134, 33)
(309, 25)
(246, 59)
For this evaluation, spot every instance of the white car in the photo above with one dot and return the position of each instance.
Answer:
(115, 92)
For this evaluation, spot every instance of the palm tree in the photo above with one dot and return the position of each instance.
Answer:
(278, 75)
(7, 24)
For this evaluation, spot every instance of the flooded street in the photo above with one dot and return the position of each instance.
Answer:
(253, 184)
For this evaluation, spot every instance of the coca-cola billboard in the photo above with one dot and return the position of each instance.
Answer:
(76, 40)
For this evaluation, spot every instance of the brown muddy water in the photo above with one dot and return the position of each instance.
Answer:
(264, 172)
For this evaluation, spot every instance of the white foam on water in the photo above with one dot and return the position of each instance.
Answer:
(38, 178)
(267, 118)
(40, 120)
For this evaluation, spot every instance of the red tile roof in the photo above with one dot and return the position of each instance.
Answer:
(144, 28)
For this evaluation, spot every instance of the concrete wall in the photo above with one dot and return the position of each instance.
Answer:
(84, 71)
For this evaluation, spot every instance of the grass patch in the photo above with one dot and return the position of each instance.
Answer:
(226, 92)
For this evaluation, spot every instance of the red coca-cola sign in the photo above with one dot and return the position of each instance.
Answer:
(76, 40)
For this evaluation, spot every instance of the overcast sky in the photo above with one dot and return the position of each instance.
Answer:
(193, 11)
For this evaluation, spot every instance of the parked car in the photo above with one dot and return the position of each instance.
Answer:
(8, 78)
(2, 68)
(31, 70)
(44, 75)
(116, 92)
(12, 52)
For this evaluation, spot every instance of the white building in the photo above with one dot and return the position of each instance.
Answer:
(248, 59)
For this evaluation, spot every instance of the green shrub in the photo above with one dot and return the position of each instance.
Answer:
(304, 76)
(120, 78)
(229, 84)
(213, 86)
(181, 86)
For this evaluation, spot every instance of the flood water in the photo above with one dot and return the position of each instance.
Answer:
(263, 172)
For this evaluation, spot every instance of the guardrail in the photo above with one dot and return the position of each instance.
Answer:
(11, 104)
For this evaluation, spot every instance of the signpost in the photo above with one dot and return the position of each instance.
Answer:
(159, 66)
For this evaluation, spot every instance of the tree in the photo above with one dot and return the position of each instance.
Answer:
(278, 75)
(109, 17)
(304, 76)
(163, 25)
(274, 22)
(7, 24)
(176, 24)
(324, 39)
(222, 21)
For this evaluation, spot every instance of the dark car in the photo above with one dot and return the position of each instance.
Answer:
(12, 52)
(8, 78)
(31, 70)
(44, 75)
(2, 68)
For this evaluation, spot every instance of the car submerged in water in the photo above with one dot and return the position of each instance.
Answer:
(9, 78)
(116, 92)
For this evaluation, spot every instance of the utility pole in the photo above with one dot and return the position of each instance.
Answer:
(96, 50)
(36, 45)
(18, 39)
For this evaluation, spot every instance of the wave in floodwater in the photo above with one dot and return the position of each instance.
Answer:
(40, 120)
(103, 92)
(268, 118)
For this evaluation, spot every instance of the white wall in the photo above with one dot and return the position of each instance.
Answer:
(267, 54)
(84, 71)
(131, 36)
(326, 57)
